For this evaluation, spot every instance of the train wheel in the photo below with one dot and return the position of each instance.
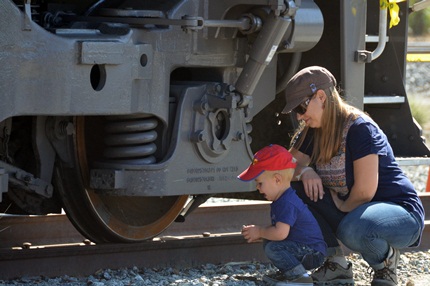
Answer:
(104, 218)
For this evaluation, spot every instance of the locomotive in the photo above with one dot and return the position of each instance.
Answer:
(128, 114)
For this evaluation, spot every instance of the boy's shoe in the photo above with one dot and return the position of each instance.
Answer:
(278, 279)
(387, 276)
(331, 273)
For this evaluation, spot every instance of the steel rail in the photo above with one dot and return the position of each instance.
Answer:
(16, 230)
(84, 260)
(418, 52)
(418, 48)
(211, 234)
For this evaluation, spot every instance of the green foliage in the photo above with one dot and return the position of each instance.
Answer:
(419, 22)
(420, 111)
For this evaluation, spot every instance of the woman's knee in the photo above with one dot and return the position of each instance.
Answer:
(351, 232)
(347, 229)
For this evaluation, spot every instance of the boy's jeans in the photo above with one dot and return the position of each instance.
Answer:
(292, 258)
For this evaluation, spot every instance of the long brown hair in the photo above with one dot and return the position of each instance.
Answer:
(328, 137)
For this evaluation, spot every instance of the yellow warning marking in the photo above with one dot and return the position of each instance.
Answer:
(418, 57)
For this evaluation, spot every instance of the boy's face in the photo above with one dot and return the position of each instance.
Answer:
(267, 185)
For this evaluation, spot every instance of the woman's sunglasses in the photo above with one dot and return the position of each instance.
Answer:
(302, 107)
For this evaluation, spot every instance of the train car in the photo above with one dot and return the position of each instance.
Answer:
(128, 114)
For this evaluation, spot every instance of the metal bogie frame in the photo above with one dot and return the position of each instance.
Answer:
(128, 114)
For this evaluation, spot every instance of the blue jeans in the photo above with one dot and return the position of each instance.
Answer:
(292, 258)
(370, 229)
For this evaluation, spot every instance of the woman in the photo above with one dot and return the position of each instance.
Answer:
(351, 181)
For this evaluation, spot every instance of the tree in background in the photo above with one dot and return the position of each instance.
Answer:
(419, 22)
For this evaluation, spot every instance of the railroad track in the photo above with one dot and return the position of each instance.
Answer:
(418, 48)
(209, 235)
(51, 246)
(418, 52)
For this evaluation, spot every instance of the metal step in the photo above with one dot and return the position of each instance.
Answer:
(413, 161)
(383, 99)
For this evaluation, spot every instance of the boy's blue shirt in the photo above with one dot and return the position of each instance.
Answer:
(304, 228)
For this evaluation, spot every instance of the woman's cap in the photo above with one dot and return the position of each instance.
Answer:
(305, 83)
(270, 158)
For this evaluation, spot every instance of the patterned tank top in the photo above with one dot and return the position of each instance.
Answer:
(332, 173)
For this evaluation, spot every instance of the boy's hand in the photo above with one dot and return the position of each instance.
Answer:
(251, 233)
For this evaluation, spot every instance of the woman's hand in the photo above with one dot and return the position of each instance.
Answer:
(312, 184)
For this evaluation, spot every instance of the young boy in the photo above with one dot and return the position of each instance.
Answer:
(294, 241)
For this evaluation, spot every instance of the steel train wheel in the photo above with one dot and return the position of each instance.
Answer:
(103, 218)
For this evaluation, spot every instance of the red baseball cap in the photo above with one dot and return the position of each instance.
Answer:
(270, 158)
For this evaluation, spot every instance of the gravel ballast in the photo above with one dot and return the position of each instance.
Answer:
(413, 270)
